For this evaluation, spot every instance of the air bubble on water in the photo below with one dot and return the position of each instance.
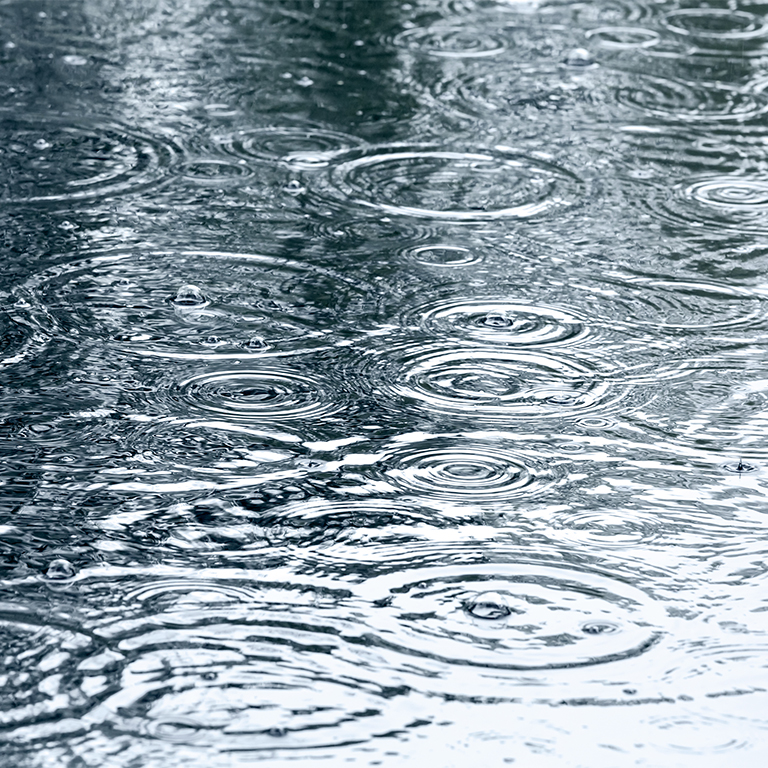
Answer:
(489, 606)
(256, 343)
(295, 188)
(189, 296)
(579, 57)
(60, 570)
(599, 628)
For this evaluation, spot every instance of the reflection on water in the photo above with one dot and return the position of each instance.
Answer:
(383, 383)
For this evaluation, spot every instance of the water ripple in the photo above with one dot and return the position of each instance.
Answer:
(623, 38)
(451, 42)
(494, 384)
(54, 161)
(437, 183)
(683, 100)
(514, 617)
(145, 302)
(735, 202)
(501, 322)
(469, 470)
(301, 148)
(715, 24)
(257, 395)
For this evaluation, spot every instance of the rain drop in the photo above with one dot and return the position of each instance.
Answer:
(189, 296)
(579, 57)
(60, 570)
(490, 606)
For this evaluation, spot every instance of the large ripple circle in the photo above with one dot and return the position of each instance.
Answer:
(54, 161)
(189, 303)
(509, 616)
(715, 24)
(686, 101)
(496, 384)
(462, 186)
(240, 668)
(258, 395)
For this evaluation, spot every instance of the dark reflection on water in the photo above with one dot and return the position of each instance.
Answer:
(383, 382)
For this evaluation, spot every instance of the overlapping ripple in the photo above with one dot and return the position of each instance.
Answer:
(492, 384)
(438, 183)
(189, 303)
(513, 617)
(55, 161)
(50, 671)
(690, 101)
(222, 664)
(298, 147)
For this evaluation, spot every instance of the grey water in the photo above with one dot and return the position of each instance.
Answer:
(383, 383)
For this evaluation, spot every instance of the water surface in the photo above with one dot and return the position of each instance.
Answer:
(383, 383)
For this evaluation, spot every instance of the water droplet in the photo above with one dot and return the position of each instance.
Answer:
(579, 57)
(490, 606)
(295, 188)
(60, 570)
(599, 628)
(189, 296)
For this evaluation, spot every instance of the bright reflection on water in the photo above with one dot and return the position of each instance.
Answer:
(383, 383)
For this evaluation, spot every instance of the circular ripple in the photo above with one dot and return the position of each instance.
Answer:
(496, 385)
(450, 42)
(687, 101)
(607, 529)
(677, 305)
(215, 172)
(299, 147)
(255, 667)
(247, 303)
(461, 186)
(502, 322)
(46, 161)
(439, 255)
(623, 38)
(256, 396)
(518, 617)
(467, 469)
(730, 203)
(715, 24)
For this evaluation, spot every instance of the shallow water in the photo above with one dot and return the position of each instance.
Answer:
(383, 383)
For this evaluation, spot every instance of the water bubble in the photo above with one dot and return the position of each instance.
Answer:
(579, 58)
(60, 570)
(488, 606)
(189, 296)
